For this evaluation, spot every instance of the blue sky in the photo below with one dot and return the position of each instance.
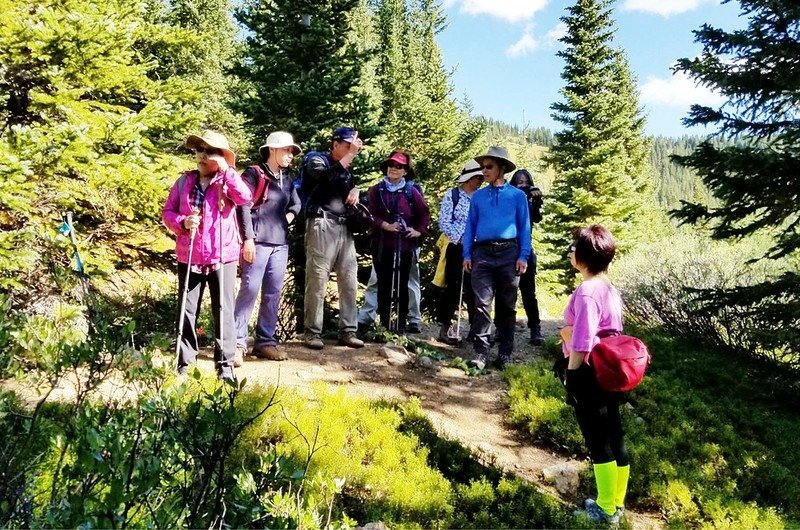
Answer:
(502, 53)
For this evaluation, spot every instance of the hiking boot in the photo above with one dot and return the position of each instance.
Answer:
(536, 336)
(596, 515)
(503, 361)
(270, 352)
(444, 336)
(238, 355)
(313, 341)
(226, 376)
(413, 328)
(350, 340)
(479, 361)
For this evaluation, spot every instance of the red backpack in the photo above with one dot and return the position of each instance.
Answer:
(262, 186)
(619, 361)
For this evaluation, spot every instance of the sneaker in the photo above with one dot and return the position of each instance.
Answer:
(270, 352)
(595, 514)
(238, 355)
(313, 341)
(536, 336)
(350, 340)
(503, 361)
(413, 328)
(479, 361)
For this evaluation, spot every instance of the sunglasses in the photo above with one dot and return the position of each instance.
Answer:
(571, 248)
(395, 165)
(488, 166)
(208, 150)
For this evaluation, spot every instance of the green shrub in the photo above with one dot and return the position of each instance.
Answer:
(483, 496)
(352, 440)
(712, 443)
(536, 404)
(672, 284)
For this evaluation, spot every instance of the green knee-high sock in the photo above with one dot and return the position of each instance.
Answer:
(623, 473)
(605, 475)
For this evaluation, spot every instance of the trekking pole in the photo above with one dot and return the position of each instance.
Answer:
(185, 294)
(221, 277)
(394, 308)
(460, 301)
(393, 320)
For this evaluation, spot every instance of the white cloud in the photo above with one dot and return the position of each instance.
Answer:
(509, 10)
(664, 8)
(679, 91)
(528, 43)
(554, 35)
(525, 45)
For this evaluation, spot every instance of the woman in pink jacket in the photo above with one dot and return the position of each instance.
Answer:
(203, 202)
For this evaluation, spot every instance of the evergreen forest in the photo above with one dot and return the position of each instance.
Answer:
(96, 102)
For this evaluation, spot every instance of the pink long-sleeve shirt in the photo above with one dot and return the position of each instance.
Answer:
(209, 248)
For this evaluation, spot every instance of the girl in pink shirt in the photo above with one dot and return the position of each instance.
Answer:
(596, 307)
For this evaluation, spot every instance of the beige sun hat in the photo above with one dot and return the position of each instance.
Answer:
(500, 153)
(471, 169)
(277, 140)
(215, 140)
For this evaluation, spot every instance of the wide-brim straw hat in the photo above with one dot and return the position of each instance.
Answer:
(500, 153)
(215, 140)
(471, 169)
(279, 140)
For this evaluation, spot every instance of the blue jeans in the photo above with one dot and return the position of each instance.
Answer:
(265, 274)
(369, 311)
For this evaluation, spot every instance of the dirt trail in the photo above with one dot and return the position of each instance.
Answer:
(468, 409)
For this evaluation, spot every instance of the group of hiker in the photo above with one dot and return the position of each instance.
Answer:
(223, 220)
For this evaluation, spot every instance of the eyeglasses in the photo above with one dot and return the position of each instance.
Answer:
(395, 165)
(210, 151)
(488, 166)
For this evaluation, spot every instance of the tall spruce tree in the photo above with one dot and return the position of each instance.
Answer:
(417, 110)
(301, 71)
(600, 158)
(202, 56)
(88, 125)
(755, 178)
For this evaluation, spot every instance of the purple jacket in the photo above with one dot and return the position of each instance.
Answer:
(384, 205)
(207, 241)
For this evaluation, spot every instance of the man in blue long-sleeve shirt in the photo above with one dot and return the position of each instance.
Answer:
(497, 243)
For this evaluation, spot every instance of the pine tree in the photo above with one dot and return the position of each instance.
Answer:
(197, 46)
(86, 125)
(417, 110)
(600, 157)
(300, 70)
(756, 180)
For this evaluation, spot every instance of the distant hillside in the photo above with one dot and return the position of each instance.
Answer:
(672, 182)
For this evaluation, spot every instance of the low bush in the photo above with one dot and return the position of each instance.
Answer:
(482, 496)
(697, 288)
(712, 442)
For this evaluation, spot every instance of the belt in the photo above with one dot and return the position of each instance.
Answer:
(496, 244)
(320, 213)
